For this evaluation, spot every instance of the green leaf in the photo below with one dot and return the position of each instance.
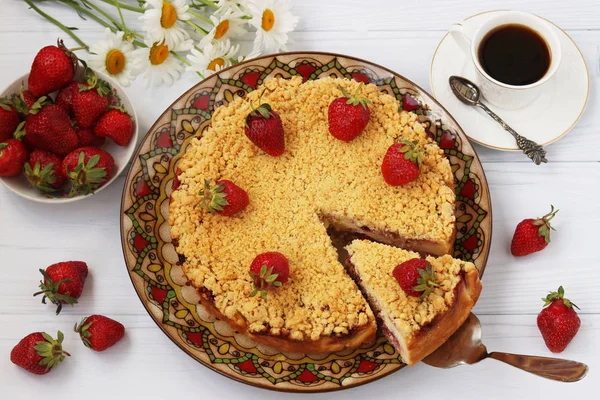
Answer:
(48, 338)
(93, 161)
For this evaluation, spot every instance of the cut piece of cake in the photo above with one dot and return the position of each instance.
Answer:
(317, 183)
(415, 326)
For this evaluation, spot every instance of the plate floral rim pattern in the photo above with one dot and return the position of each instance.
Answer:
(153, 264)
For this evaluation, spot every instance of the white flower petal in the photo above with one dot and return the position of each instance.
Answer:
(276, 38)
(101, 49)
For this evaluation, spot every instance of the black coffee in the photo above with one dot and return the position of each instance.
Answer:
(514, 54)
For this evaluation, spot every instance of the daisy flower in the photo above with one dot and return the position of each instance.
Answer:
(163, 21)
(227, 26)
(272, 20)
(113, 56)
(157, 64)
(213, 58)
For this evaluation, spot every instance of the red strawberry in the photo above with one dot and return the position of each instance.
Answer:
(38, 353)
(9, 119)
(90, 101)
(265, 130)
(416, 277)
(64, 98)
(225, 198)
(50, 129)
(409, 103)
(558, 322)
(402, 163)
(99, 332)
(44, 171)
(117, 125)
(349, 115)
(13, 156)
(52, 69)
(87, 138)
(532, 235)
(268, 271)
(88, 168)
(63, 283)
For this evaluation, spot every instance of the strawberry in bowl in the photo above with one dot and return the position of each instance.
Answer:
(57, 109)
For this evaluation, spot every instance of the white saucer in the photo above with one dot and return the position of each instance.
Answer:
(546, 120)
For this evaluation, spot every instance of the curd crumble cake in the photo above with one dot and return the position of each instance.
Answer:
(415, 325)
(292, 198)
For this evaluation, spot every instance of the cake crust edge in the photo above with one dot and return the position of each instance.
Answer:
(436, 333)
(325, 344)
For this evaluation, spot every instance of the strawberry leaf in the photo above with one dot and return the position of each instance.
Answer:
(544, 224)
(50, 350)
(49, 289)
(426, 281)
(558, 295)
(412, 151)
(214, 198)
(355, 100)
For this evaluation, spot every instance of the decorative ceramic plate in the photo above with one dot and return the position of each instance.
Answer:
(153, 264)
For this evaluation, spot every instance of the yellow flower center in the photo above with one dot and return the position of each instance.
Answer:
(115, 61)
(268, 20)
(168, 16)
(222, 29)
(217, 62)
(159, 53)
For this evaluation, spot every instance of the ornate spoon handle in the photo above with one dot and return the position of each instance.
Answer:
(551, 368)
(531, 149)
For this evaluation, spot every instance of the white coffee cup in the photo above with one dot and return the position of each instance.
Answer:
(495, 92)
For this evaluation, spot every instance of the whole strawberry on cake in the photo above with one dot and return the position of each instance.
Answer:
(304, 169)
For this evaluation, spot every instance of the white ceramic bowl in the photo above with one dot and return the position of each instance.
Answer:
(121, 154)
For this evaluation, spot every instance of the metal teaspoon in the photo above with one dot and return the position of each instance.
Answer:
(469, 93)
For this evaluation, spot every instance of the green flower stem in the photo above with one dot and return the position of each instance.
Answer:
(197, 6)
(55, 22)
(111, 19)
(200, 16)
(209, 3)
(196, 27)
(93, 16)
(124, 6)
(120, 15)
(126, 32)
(181, 58)
(102, 12)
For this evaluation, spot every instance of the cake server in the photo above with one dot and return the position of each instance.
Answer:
(469, 93)
(465, 347)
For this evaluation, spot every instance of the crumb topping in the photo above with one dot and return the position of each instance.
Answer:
(375, 263)
(316, 176)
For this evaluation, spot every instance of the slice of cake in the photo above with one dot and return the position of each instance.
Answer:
(422, 316)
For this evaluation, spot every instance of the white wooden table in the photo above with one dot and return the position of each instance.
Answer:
(401, 35)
